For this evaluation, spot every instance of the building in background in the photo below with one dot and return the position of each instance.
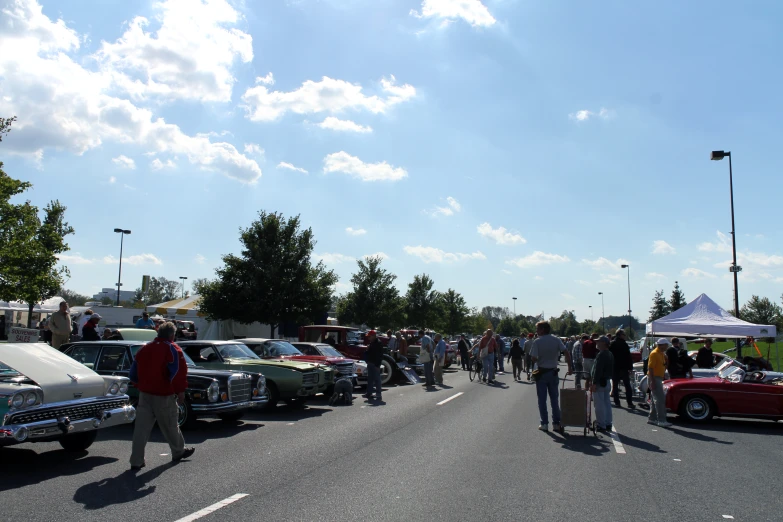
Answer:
(111, 293)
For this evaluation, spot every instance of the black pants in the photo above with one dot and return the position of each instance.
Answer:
(465, 358)
(626, 380)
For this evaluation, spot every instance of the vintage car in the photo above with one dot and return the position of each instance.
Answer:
(290, 381)
(338, 337)
(734, 392)
(279, 349)
(328, 351)
(414, 347)
(47, 396)
(210, 393)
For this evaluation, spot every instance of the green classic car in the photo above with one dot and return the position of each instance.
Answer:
(289, 381)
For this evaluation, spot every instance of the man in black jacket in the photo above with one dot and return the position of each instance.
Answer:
(374, 357)
(464, 356)
(623, 366)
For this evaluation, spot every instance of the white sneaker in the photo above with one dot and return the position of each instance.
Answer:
(543, 427)
(665, 424)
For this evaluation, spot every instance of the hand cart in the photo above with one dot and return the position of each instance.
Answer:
(576, 409)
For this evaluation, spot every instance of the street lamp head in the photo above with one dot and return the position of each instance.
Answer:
(717, 155)
(126, 231)
(118, 230)
(122, 231)
(600, 293)
(514, 298)
(624, 266)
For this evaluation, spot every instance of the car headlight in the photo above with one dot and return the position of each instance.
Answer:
(114, 389)
(213, 392)
(17, 400)
(124, 388)
(31, 398)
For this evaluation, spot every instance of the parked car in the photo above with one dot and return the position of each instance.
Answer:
(224, 394)
(186, 330)
(326, 350)
(734, 392)
(46, 396)
(290, 381)
(698, 373)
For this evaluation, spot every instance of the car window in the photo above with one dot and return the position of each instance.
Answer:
(307, 349)
(86, 353)
(113, 359)
(236, 351)
(275, 348)
(202, 354)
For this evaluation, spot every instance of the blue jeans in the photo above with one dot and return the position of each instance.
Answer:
(547, 385)
(500, 362)
(374, 380)
(429, 380)
(488, 367)
(603, 405)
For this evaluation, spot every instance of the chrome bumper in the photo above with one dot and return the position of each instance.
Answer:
(260, 401)
(53, 429)
(221, 408)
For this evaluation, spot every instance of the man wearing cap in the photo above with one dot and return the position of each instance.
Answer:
(623, 365)
(589, 352)
(89, 330)
(145, 322)
(602, 371)
(374, 359)
(578, 361)
(656, 368)
(464, 348)
(60, 326)
(545, 352)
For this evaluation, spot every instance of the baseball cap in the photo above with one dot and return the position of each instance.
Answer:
(371, 332)
(96, 316)
(662, 341)
(620, 332)
(530, 335)
(603, 339)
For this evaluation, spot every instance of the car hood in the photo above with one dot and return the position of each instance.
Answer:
(292, 365)
(60, 377)
(215, 374)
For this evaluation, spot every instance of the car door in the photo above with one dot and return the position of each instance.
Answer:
(85, 353)
(114, 360)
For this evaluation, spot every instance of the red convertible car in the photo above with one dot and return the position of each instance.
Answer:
(734, 392)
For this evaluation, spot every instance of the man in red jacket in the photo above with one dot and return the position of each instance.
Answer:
(160, 373)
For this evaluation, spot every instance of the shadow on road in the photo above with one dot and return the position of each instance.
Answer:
(575, 441)
(24, 467)
(640, 444)
(200, 432)
(127, 487)
(752, 427)
(697, 436)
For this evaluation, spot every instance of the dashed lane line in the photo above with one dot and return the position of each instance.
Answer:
(441, 403)
(618, 446)
(211, 509)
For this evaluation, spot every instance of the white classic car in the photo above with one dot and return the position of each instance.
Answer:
(46, 396)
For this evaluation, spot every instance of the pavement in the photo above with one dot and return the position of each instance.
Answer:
(466, 451)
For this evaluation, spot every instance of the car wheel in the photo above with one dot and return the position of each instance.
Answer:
(186, 419)
(274, 396)
(78, 441)
(232, 417)
(387, 371)
(697, 408)
(296, 402)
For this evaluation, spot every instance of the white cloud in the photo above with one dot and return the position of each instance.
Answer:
(472, 11)
(337, 124)
(140, 259)
(538, 258)
(112, 179)
(189, 56)
(156, 164)
(74, 259)
(654, 276)
(605, 264)
(333, 258)
(584, 283)
(662, 247)
(199, 259)
(452, 207)
(509, 272)
(124, 162)
(585, 115)
(253, 149)
(285, 165)
(723, 244)
(697, 274)
(347, 164)
(69, 107)
(500, 235)
(355, 231)
(568, 296)
(269, 79)
(436, 255)
(382, 255)
(327, 95)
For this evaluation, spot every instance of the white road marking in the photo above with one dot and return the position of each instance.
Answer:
(290, 424)
(677, 460)
(211, 509)
(618, 446)
(441, 403)
(728, 516)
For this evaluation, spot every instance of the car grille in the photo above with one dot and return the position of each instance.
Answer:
(309, 378)
(239, 388)
(344, 369)
(74, 412)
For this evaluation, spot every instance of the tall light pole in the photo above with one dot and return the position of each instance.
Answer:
(718, 155)
(515, 307)
(603, 313)
(591, 313)
(122, 233)
(630, 318)
(183, 279)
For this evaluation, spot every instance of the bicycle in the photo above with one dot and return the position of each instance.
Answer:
(474, 370)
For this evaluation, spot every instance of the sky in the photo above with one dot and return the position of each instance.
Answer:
(507, 148)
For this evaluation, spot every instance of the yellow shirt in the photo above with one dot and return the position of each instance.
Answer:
(657, 362)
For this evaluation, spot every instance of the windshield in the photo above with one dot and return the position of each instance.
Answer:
(276, 348)
(135, 349)
(328, 351)
(236, 351)
(7, 370)
(732, 373)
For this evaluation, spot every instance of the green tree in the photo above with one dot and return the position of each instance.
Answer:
(455, 311)
(422, 303)
(73, 298)
(760, 310)
(508, 327)
(160, 290)
(495, 314)
(475, 323)
(373, 300)
(198, 284)
(660, 307)
(273, 280)
(677, 299)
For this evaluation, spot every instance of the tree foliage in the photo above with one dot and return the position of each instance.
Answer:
(677, 299)
(160, 290)
(272, 280)
(660, 307)
(198, 284)
(73, 298)
(760, 310)
(495, 314)
(373, 300)
(422, 302)
(455, 311)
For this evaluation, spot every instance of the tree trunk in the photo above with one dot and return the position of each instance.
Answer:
(272, 327)
(30, 314)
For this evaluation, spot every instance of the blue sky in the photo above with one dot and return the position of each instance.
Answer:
(508, 148)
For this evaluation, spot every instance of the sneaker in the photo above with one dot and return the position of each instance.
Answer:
(543, 427)
(137, 468)
(631, 406)
(617, 403)
(651, 421)
(185, 454)
(665, 424)
(556, 426)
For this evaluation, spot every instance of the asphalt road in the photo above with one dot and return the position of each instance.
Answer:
(478, 456)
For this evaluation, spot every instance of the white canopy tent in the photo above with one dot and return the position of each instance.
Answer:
(49, 306)
(703, 317)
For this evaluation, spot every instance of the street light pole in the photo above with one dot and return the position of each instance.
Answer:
(122, 233)
(718, 155)
(515, 307)
(630, 317)
(603, 312)
(183, 279)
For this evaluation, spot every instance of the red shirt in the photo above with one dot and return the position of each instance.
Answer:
(160, 368)
(589, 349)
(491, 344)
